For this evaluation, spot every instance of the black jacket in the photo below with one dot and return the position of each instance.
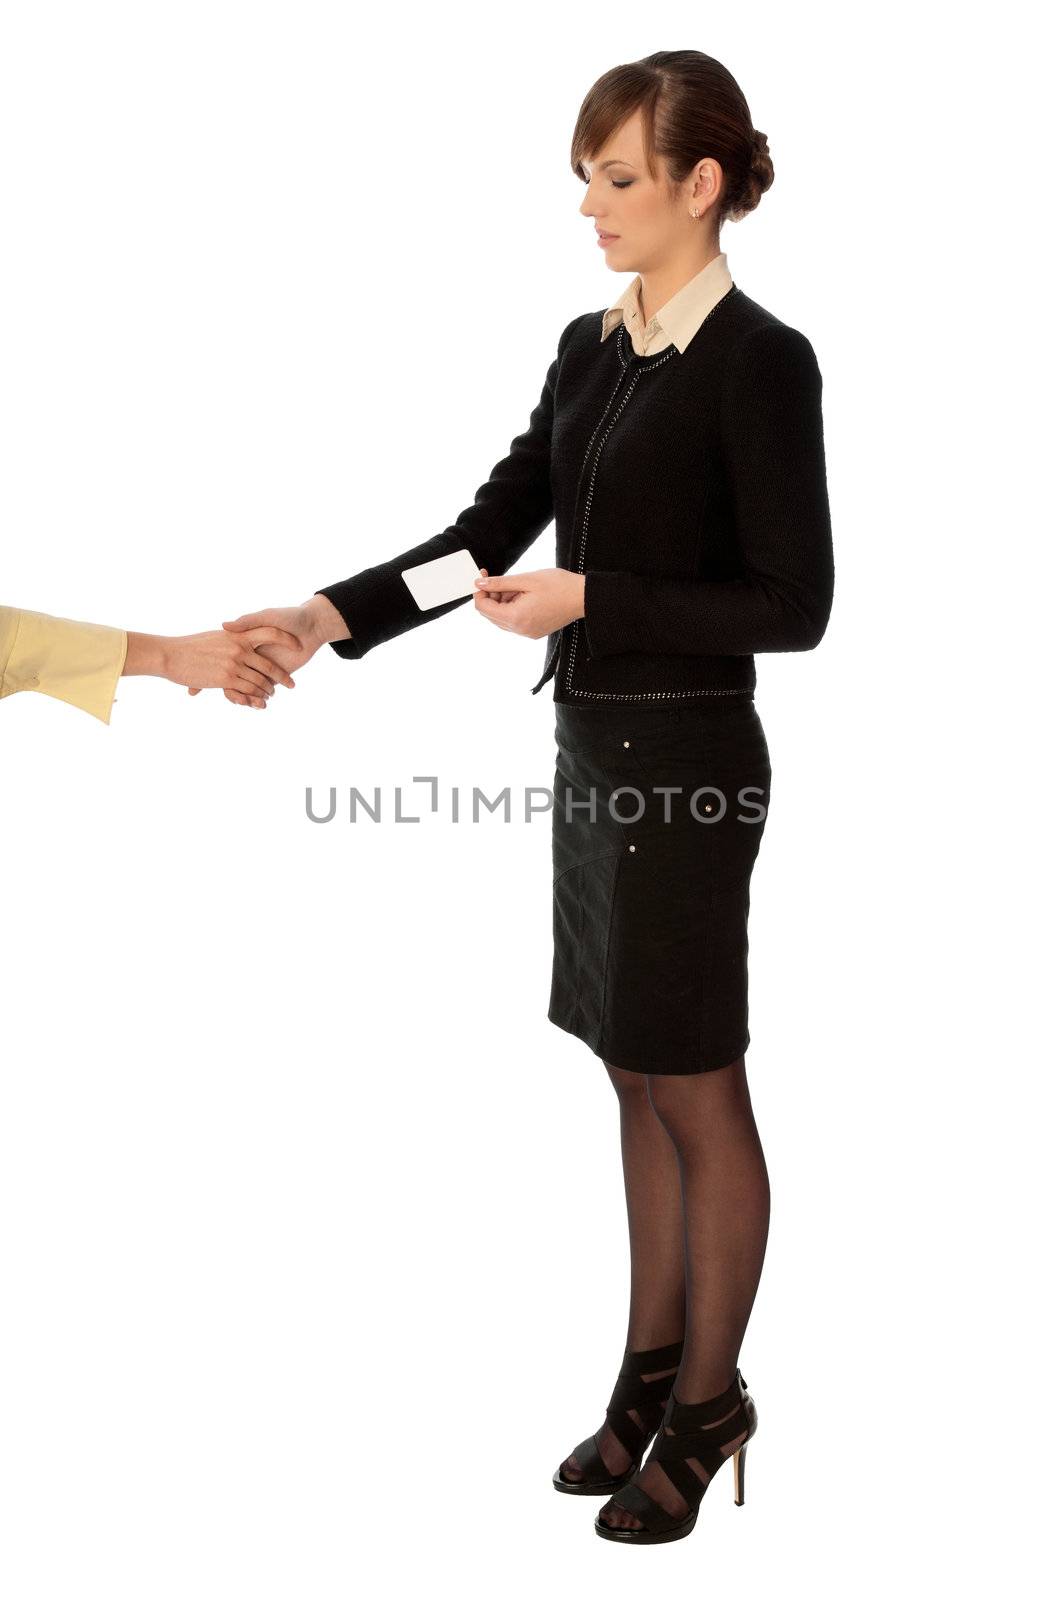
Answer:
(690, 488)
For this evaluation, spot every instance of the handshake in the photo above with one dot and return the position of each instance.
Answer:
(80, 662)
(255, 652)
(247, 657)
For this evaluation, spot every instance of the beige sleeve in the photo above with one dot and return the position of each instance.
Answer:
(79, 662)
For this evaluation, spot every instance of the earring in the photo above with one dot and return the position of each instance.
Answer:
(695, 213)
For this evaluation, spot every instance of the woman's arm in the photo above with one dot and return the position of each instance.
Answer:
(81, 662)
(508, 513)
(772, 443)
(77, 662)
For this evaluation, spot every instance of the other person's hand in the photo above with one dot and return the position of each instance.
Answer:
(213, 660)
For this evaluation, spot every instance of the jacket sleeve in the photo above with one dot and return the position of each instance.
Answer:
(508, 513)
(771, 430)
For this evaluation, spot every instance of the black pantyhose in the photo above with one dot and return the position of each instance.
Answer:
(655, 1233)
(698, 1205)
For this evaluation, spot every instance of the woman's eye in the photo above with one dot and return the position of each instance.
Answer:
(625, 185)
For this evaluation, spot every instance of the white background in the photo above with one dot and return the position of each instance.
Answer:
(313, 1245)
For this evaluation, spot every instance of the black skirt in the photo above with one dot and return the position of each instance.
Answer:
(651, 889)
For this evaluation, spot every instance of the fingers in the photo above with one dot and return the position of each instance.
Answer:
(238, 698)
(271, 635)
(261, 663)
(258, 663)
(500, 612)
(250, 619)
(500, 584)
(505, 589)
(248, 680)
(478, 592)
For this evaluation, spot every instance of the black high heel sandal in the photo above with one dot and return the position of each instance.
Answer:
(707, 1432)
(631, 1392)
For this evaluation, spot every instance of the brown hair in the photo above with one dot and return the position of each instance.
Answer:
(692, 107)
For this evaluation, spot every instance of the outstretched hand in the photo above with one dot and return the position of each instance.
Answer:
(214, 660)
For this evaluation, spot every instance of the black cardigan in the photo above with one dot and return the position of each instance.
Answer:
(689, 487)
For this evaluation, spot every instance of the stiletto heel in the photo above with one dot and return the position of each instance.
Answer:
(739, 1459)
(636, 1392)
(704, 1432)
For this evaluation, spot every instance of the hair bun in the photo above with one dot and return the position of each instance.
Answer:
(761, 176)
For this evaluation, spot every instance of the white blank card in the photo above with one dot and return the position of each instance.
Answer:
(432, 583)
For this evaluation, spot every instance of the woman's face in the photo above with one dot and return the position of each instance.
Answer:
(644, 222)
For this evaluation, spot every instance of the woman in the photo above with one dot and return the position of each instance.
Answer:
(678, 443)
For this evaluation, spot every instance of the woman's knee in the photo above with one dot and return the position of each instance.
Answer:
(682, 1098)
(631, 1087)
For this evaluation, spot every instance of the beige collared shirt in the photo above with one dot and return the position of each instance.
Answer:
(79, 662)
(679, 318)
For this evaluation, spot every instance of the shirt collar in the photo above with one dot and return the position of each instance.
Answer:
(681, 316)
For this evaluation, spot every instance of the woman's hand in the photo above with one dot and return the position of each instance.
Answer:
(214, 660)
(314, 623)
(531, 603)
(304, 630)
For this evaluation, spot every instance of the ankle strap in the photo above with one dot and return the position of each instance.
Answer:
(683, 1417)
(633, 1390)
(636, 1362)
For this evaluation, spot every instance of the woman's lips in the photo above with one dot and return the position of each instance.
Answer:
(607, 238)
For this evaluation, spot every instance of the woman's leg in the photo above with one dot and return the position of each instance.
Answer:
(726, 1203)
(655, 1231)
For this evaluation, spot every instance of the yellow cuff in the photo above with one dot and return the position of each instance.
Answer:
(79, 662)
